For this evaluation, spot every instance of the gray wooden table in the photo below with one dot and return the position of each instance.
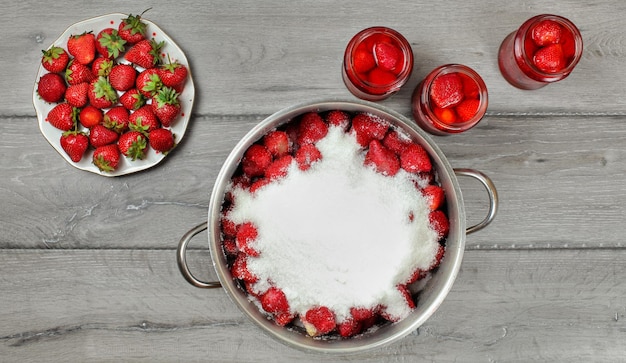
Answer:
(87, 263)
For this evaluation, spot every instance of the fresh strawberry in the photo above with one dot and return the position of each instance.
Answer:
(145, 53)
(435, 196)
(82, 47)
(132, 99)
(173, 74)
(109, 44)
(279, 167)
(55, 59)
(395, 142)
(132, 29)
(349, 327)
(446, 115)
(144, 120)
(447, 90)
(546, 32)
(100, 136)
(404, 291)
(258, 184)
(101, 94)
(230, 247)
(312, 128)
(439, 223)
(255, 160)
(122, 77)
(467, 109)
(162, 140)
(51, 87)
(274, 301)
(107, 157)
(277, 142)
(363, 60)
(367, 127)
(550, 59)
(380, 77)
(166, 105)
(132, 144)
(306, 156)
(239, 269)
(148, 82)
(90, 116)
(117, 118)
(387, 55)
(75, 144)
(63, 116)
(76, 94)
(319, 321)
(246, 238)
(283, 319)
(415, 159)
(382, 159)
(101, 66)
(362, 314)
(78, 73)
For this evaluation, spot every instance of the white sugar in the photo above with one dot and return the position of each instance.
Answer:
(338, 234)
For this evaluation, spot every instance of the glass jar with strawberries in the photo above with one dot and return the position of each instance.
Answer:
(545, 49)
(450, 99)
(377, 62)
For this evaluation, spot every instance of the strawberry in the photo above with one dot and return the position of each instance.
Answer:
(395, 142)
(367, 127)
(349, 327)
(362, 314)
(173, 74)
(145, 53)
(132, 144)
(439, 223)
(63, 116)
(230, 247)
(274, 301)
(255, 160)
(382, 159)
(122, 77)
(380, 77)
(246, 236)
(109, 44)
(441, 250)
(338, 118)
(78, 73)
(101, 94)
(239, 269)
(319, 321)
(447, 90)
(107, 157)
(51, 87)
(166, 106)
(279, 167)
(387, 55)
(143, 120)
(101, 66)
(75, 144)
(415, 159)
(161, 140)
(277, 142)
(99, 135)
(82, 47)
(258, 184)
(404, 291)
(363, 60)
(312, 128)
(467, 109)
(132, 99)
(470, 87)
(55, 59)
(306, 156)
(546, 32)
(435, 196)
(132, 29)
(148, 82)
(90, 116)
(550, 59)
(76, 94)
(117, 119)
(446, 115)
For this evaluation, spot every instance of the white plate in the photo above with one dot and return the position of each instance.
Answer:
(178, 127)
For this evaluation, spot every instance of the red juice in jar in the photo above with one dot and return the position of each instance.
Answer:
(451, 99)
(545, 49)
(377, 62)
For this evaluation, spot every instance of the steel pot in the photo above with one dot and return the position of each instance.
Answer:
(430, 298)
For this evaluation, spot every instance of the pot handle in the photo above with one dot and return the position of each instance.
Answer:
(181, 258)
(491, 191)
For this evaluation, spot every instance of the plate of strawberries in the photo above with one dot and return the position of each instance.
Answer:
(113, 94)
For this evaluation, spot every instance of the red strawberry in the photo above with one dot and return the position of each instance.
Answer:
(380, 77)
(467, 109)
(82, 47)
(78, 73)
(144, 120)
(435, 196)
(246, 238)
(312, 128)
(255, 160)
(76, 94)
(274, 301)
(319, 321)
(362, 314)
(363, 60)
(166, 106)
(90, 116)
(338, 118)
(101, 66)
(387, 55)
(107, 157)
(63, 116)
(173, 74)
(546, 32)
(447, 90)
(132, 99)
(132, 144)
(161, 140)
(279, 167)
(148, 82)
(439, 223)
(415, 159)
(145, 53)
(384, 160)
(404, 291)
(74, 144)
(550, 59)
(117, 118)
(51, 87)
(101, 94)
(307, 155)
(55, 59)
(446, 115)
(259, 183)
(470, 87)
(230, 247)
(395, 142)
(349, 327)
(239, 269)
(100, 136)
(109, 44)
(122, 77)
(277, 142)
(132, 29)
(367, 127)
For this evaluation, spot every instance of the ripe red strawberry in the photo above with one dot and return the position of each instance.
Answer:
(109, 44)
(306, 156)
(76, 94)
(55, 59)
(470, 87)
(258, 184)
(230, 247)
(447, 90)
(90, 116)
(319, 321)
(78, 73)
(439, 223)
(404, 291)
(395, 142)
(349, 327)
(133, 144)
(107, 157)
(173, 74)
(101, 66)
(246, 238)
(277, 142)
(312, 128)
(467, 109)
(446, 115)
(362, 314)
(274, 301)
(63, 116)
(387, 55)
(279, 167)
(550, 59)
(122, 77)
(82, 47)
(117, 118)
(101, 94)
(255, 160)
(363, 61)
(145, 53)
(338, 118)
(162, 140)
(166, 106)
(99, 135)
(415, 159)
(148, 82)
(132, 29)
(74, 144)
(382, 159)
(380, 77)
(435, 196)
(239, 269)
(367, 127)
(546, 32)
(51, 87)
(132, 99)
(143, 120)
